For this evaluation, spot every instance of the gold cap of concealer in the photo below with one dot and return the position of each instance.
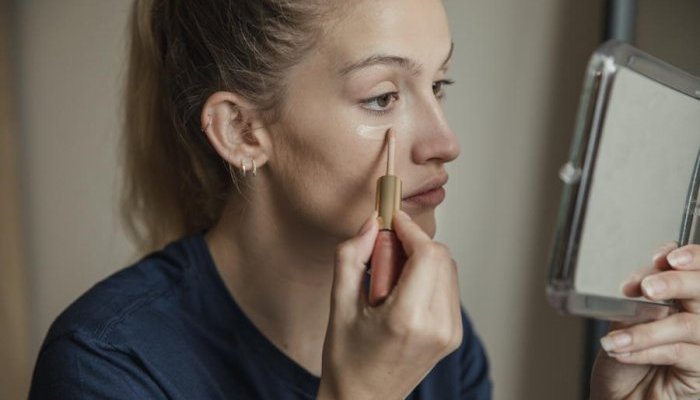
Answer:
(388, 198)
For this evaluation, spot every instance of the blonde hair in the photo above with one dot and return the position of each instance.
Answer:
(181, 52)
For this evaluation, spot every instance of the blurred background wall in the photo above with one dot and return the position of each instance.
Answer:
(518, 66)
(14, 329)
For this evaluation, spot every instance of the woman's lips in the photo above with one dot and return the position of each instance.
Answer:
(429, 198)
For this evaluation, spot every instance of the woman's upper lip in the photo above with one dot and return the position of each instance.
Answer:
(433, 183)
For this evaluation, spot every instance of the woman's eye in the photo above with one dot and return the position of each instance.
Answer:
(439, 87)
(381, 102)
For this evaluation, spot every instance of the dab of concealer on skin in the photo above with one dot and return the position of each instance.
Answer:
(372, 132)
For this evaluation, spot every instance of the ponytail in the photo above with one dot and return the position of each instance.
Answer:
(160, 196)
(180, 52)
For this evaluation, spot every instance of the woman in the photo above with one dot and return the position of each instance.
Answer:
(253, 142)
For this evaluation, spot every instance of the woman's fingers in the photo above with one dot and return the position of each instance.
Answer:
(425, 257)
(681, 355)
(631, 287)
(685, 258)
(659, 260)
(409, 233)
(681, 327)
(672, 285)
(350, 264)
(450, 300)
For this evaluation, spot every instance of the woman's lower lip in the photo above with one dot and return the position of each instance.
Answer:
(431, 198)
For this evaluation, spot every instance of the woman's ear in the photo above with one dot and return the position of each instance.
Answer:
(236, 131)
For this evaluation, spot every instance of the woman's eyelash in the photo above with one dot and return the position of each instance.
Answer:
(438, 87)
(385, 100)
(389, 98)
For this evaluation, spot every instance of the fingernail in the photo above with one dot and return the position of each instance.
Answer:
(368, 224)
(657, 255)
(653, 286)
(679, 258)
(616, 341)
(620, 355)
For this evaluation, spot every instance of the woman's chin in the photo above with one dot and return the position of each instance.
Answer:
(426, 220)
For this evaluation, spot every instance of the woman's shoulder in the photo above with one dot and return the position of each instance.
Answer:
(126, 294)
(113, 337)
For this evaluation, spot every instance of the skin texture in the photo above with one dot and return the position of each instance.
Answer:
(287, 246)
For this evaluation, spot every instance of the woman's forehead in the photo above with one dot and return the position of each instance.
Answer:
(415, 30)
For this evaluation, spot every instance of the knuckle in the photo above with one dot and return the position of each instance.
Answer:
(459, 338)
(689, 324)
(642, 335)
(344, 251)
(435, 250)
(443, 338)
(402, 325)
(675, 353)
(429, 250)
(444, 249)
(453, 339)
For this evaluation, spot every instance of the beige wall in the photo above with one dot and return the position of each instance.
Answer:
(519, 66)
(14, 345)
(71, 54)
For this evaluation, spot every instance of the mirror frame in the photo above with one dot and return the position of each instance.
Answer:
(577, 174)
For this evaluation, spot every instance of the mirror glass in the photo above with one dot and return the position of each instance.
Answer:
(631, 185)
(646, 158)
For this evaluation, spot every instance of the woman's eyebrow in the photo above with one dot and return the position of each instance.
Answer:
(382, 59)
(449, 55)
(409, 65)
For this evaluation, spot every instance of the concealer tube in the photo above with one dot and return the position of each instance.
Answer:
(387, 256)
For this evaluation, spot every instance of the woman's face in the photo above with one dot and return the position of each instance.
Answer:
(382, 64)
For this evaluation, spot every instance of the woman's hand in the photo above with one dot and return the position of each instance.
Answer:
(659, 359)
(384, 352)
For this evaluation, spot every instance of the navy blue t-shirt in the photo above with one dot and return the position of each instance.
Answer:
(167, 328)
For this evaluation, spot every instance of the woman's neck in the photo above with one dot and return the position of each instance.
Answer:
(279, 273)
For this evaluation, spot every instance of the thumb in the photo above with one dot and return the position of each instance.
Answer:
(351, 258)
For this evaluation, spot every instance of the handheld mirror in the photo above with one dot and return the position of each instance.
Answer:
(631, 183)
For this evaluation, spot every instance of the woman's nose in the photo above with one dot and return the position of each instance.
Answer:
(434, 139)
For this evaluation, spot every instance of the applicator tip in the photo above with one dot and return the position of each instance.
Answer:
(391, 138)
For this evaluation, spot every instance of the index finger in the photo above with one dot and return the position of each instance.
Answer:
(631, 287)
(685, 258)
(409, 233)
